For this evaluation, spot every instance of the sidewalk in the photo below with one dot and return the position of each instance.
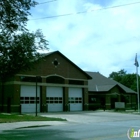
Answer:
(18, 125)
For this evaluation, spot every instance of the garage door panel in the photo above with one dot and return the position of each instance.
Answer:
(28, 99)
(75, 92)
(29, 91)
(54, 92)
(75, 107)
(30, 108)
(55, 107)
(75, 99)
(54, 99)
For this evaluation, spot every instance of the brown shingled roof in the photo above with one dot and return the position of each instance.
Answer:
(100, 83)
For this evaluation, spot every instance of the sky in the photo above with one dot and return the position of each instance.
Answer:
(104, 38)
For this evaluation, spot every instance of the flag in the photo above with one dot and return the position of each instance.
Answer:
(136, 62)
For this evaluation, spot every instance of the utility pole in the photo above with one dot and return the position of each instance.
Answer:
(36, 99)
(137, 76)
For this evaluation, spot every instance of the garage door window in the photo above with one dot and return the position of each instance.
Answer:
(53, 100)
(75, 100)
(28, 100)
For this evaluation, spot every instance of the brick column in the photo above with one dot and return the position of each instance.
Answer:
(85, 99)
(85, 96)
(108, 102)
(66, 97)
(43, 97)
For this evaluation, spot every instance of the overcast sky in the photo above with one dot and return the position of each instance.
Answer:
(100, 40)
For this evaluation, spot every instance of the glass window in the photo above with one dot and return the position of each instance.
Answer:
(26, 98)
(55, 79)
(32, 102)
(26, 102)
(30, 79)
(32, 98)
(76, 82)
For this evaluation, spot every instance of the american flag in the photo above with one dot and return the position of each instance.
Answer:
(136, 62)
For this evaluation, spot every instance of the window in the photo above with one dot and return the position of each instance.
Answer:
(55, 79)
(28, 100)
(54, 100)
(76, 82)
(75, 100)
(30, 79)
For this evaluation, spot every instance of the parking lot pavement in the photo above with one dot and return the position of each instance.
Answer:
(72, 117)
(92, 116)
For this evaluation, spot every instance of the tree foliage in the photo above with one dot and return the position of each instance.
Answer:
(129, 80)
(14, 14)
(18, 46)
(118, 76)
(21, 53)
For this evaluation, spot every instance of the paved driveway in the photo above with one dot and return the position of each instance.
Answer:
(96, 125)
(97, 116)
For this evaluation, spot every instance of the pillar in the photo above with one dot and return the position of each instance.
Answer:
(108, 102)
(85, 99)
(43, 97)
(66, 97)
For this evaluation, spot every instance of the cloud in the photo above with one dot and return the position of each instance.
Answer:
(100, 40)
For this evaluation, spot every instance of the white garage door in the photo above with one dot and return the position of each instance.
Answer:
(28, 99)
(75, 99)
(54, 99)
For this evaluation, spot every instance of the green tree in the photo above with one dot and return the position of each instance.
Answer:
(129, 80)
(14, 15)
(21, 53)
(18, 47)
(118, 76)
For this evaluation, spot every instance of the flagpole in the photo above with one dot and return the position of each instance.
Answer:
(137, 65)
(137, 86)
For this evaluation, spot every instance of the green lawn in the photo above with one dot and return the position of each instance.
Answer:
(5, 117)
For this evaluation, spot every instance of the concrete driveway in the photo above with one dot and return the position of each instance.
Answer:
(98, 125)
(92, 116)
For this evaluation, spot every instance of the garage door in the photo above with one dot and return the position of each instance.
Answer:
(54, 99)
(75, 99)
(28, 99)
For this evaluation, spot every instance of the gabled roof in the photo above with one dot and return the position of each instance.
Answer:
(50, 53)
(100, 83)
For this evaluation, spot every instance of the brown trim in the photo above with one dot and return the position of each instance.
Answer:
(45, 84)
(51, 75)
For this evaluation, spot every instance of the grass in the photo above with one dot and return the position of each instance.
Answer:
(6, 118)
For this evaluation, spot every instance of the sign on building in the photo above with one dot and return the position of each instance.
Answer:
(119, 105)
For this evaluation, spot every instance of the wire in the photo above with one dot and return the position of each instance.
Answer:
(46, 2)
(82, 12)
